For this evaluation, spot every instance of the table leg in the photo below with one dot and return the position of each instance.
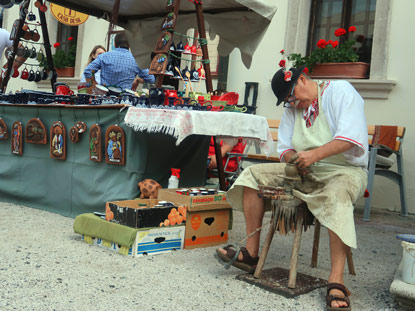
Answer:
(221, 171)
(316, 243)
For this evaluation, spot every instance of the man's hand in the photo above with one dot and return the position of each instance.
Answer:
(136, 82)
(306, 158)
(212, 164)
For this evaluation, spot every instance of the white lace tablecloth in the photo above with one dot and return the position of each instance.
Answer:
(182, 123)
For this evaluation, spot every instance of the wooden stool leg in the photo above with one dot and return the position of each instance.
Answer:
(350, 263)
(316, 242)
(265, 248)
(292, 278)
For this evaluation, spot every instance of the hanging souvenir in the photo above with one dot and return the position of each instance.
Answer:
(35, 132)
(17, 141)
(76, 131)
(4, 134)
(163, 43)
(158, 64)
(95, 143)
(170, 5)
(58, 141)
(115, 145)
(169, 21)
(74, 134)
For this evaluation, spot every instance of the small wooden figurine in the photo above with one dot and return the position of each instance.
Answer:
(17, 138)
(58, 141)
(95, 143)
(35, 132)
(115, 145)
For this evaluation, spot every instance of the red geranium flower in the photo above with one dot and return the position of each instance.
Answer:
(287, 76)
(305, 70)
(57, 44)
(282, 63)
(70, 38)
(340, 32)
(352, 28)
(282, 51)
(322, 43)
(335, 43)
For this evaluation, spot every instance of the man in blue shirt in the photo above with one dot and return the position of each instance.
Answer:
(118, 67)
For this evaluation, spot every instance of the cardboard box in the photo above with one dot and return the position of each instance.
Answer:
(207, 220)
(134, 214)
(149, 241)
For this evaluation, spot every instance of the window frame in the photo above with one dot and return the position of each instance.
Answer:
(377, 86)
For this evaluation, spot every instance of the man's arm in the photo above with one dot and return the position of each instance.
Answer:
(308, 157)
(143, 73)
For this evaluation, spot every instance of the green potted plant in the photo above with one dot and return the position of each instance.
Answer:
(332, 59)
(64, 62)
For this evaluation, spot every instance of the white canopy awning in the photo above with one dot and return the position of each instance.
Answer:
(239, 23)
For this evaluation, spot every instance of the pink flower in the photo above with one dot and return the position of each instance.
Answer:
(340, 32)
(352, 28)
(305, 70)
(282, 63)
(57, 44)
(335, 43)
(282, 51)
(70, 38)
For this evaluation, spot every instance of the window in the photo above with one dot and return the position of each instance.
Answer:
(68, 46)
(328, 15)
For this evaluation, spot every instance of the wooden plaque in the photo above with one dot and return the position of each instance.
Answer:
(17, 138)
(4, 132)
(170, 5)
(158, 64)
(169, 21)
(58, 141)
(163, 43)
(35, 132)
(95, 143)
(74, 134)
(115, 145)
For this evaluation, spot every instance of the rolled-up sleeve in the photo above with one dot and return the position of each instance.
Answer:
(285, 132)
(347, 110)
(143, 73)
(93, 67)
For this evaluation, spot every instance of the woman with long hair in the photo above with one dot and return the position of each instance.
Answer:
(97, 50)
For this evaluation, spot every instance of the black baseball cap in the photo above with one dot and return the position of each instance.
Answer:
(280, 86)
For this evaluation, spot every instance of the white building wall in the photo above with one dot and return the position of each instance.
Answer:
(397, 109)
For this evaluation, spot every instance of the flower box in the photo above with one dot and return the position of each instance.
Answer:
(349, 70)
(65, 72)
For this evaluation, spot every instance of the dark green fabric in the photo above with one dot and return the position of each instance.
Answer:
(94, 226)
(79, 185)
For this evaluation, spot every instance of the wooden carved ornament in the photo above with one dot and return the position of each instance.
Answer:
(95, 143)
(115, 145)
(4, 133)
(169, 21)
(17, 138)
(170, 5)
(35, 132)
(163, 43)
(58, 141)
(158, 64)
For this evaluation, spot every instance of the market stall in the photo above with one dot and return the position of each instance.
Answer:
(60, 174)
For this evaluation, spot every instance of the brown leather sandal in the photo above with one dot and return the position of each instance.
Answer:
(331, 298)
(248, 263)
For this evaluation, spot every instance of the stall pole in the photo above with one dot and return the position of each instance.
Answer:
(46, 43)
(202, 35)
(19, 34)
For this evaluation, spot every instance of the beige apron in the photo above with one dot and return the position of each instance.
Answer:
(333, 185)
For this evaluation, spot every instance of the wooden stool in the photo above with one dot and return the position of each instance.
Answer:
(297, 221)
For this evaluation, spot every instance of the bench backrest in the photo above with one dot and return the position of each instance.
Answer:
(399, 135)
